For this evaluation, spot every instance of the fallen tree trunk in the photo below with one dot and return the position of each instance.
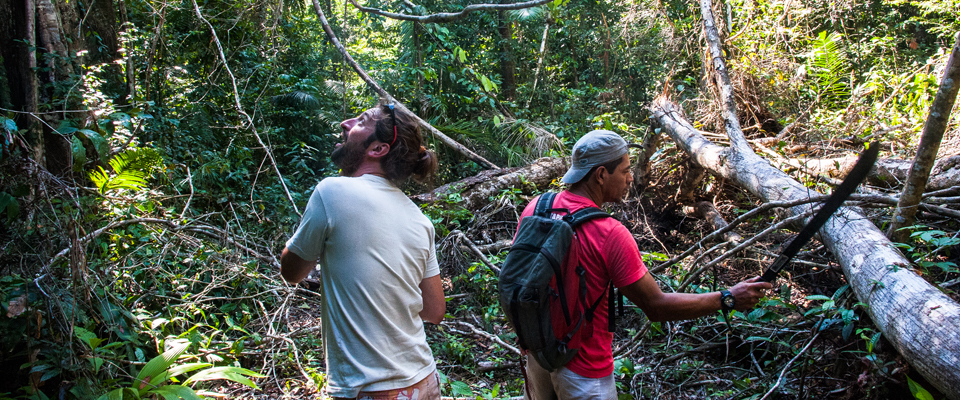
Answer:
(921, 322)
(887, 172)
(477, 190)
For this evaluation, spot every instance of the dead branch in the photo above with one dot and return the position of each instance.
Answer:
(450, 17)
(477, 190)
(383, 93)
(930, 139)
(236, 103)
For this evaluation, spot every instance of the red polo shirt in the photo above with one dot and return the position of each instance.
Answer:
(607, 251)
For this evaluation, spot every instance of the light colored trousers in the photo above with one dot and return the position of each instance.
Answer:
(564, 384)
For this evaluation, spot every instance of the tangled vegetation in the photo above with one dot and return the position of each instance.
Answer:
(147, 190)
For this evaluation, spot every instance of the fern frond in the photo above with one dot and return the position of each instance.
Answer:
(130, 170)
(827, 65)
(297, 99)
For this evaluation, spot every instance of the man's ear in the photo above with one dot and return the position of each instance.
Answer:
(601, 174)
(378, 150)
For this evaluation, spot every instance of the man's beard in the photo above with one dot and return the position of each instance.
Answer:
(348, 157)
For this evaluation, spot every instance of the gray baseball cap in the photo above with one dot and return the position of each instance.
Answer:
(595, 148)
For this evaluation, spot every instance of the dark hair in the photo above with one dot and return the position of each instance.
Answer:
(610, 166)
(407, 156)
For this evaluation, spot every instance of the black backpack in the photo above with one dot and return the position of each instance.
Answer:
(537, 254)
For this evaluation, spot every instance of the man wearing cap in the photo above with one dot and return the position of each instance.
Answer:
(600, 173)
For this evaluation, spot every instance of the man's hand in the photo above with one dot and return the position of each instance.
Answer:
(749, 292)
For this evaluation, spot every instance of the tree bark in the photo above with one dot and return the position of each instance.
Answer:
(921, 322)
(383, 93)
(886, 172)
(508, 65)
(929, 145)
(543, 54)
(476, 191)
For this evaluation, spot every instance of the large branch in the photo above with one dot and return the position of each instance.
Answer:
(933, 130)
(383, 93)
(886, 172)
(450, 17)
(919, 320)
(722, 79)
(476, 191)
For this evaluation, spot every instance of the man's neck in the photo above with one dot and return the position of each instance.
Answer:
(369, 168)
(587, 191)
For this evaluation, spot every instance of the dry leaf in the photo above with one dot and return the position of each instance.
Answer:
(17, 306)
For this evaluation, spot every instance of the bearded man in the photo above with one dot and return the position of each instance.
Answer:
(380, 279)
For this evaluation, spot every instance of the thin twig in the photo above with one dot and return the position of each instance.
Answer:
(236, 101)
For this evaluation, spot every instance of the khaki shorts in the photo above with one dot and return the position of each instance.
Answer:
(564, 384)
(427, 389)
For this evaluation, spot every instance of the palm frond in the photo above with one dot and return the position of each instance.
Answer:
(130, 170)
(827, 65)
(297, 99)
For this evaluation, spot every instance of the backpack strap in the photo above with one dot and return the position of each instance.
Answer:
(583, 215)
(544, 204)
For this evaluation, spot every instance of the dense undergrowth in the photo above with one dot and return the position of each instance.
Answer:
(157, 250)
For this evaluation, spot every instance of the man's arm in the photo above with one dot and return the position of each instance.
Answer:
(293, 268)
(659, 306)
(434, 303)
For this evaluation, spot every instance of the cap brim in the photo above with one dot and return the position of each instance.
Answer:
(574, 175)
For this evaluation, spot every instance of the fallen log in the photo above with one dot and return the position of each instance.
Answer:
(477, 190)
(887, 172)
(921, 322)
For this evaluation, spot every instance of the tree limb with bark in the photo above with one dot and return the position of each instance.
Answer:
(383, 93)
(449, 17)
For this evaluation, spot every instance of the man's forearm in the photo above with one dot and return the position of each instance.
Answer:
(294, 269)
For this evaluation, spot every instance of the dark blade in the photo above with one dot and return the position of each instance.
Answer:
(849, 184)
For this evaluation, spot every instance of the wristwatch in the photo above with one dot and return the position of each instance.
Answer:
(727, 301)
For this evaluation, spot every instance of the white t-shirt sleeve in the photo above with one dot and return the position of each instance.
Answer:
(432, 267)
(307, 241)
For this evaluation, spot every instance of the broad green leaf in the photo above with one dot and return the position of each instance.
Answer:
(177, 370)
(233, 374)
(176, 392)
(8, 124)
(9, 205)
(918, 391)
(157, 367)
(461, 389)
(116, 394)
(99, 143)
(79, 153)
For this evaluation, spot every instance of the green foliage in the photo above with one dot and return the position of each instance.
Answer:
(152, 379)
(130, 170)
(828, 67)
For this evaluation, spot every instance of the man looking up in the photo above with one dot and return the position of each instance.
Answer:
(600, 173)
(380, 278)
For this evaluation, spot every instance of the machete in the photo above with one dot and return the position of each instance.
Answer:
(833, 203)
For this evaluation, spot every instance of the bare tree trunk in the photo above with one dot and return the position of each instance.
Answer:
(507, 64)
(929, 145)
(543, 53)
(921, 322)
(32, 91)
(907, 309)
(58, 151)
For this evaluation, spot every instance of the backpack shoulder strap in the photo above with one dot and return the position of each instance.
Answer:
(578, 218)
(544, 203)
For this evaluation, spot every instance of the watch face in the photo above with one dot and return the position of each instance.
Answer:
(729, 301)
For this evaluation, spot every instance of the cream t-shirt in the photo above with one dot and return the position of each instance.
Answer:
(374, 247)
